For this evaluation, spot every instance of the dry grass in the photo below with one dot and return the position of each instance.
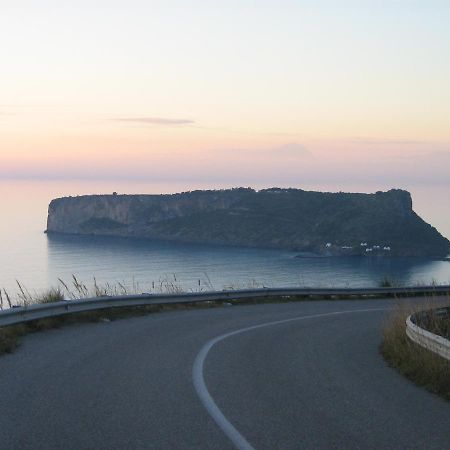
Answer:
(77, 289)
(10, 338)
(436, 321)
(416, 363)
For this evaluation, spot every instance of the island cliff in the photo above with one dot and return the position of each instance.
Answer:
(320, 223)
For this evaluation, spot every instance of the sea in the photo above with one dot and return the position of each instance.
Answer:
(38, 261)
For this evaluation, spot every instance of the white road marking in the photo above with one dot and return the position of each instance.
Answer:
(199, 380)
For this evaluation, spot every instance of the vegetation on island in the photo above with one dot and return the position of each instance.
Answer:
(312, 223)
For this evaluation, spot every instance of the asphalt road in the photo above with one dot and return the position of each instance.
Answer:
(286, 376)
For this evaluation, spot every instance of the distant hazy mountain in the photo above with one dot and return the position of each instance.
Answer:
(319, 223)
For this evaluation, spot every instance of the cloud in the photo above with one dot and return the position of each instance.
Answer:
(381, 141)
(292, 149)
(285, 151)
(155, 121)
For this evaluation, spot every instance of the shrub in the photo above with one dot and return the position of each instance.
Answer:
(51, 296)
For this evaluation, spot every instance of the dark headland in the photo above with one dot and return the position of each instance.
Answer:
(314, 223)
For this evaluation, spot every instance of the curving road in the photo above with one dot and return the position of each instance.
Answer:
(282, 376)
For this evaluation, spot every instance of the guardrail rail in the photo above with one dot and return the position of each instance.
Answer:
(426, 339)
(41, 311)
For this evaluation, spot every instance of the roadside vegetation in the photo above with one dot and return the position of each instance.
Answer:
(420, 365)
(436, 321)
(79, 290)
(10, 336)
(387, 281)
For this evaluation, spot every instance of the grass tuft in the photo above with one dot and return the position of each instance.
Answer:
(10, 337)
(51, 296)
(388, 282)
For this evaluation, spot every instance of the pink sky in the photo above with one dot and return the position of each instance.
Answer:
(289, 94)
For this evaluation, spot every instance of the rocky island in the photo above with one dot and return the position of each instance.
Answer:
(312, 223)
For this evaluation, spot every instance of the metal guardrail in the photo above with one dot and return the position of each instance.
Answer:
(41, 311)
(426, 339)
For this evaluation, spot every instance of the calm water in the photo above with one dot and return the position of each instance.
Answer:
(38, 260)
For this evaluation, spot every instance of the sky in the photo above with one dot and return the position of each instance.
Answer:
(228, 92)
